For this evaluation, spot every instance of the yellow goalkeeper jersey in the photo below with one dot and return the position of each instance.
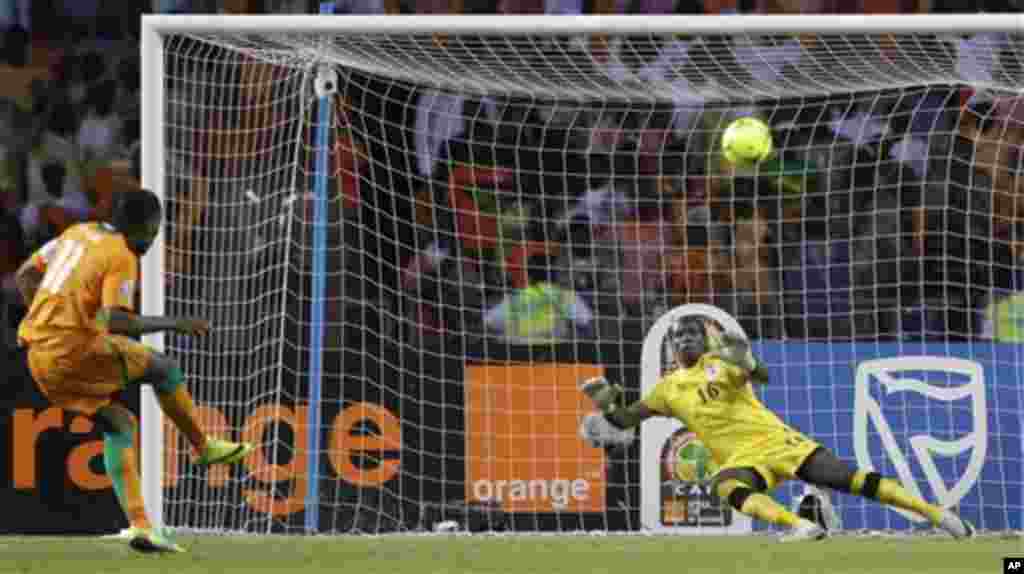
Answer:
(714, 399)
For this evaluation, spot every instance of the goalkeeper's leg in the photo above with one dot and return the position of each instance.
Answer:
(743, 489)
(823, 468)
(176, 402)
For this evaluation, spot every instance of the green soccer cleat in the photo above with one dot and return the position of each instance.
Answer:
(152, 541)
(219, 451)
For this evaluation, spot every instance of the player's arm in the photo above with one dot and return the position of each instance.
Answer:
(630, 415)
(123, 322)
(117, 313)
(29, 275)
(614, 425)
(609, 397)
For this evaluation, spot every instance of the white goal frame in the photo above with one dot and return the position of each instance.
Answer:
(154, 27)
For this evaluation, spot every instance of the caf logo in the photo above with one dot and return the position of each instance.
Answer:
(685, 458)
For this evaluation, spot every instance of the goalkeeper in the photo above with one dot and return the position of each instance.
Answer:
(709, 392)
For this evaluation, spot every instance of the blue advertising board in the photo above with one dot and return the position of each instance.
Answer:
(944, 419)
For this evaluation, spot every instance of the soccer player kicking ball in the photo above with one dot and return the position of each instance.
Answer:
(709, 392)
(80, 289)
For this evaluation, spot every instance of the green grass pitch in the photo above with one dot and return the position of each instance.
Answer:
(512, 555)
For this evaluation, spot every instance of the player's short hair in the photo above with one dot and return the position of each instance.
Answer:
(134, 207)
(686, 320)
(682, 323)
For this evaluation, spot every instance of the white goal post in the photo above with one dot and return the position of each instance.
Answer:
(337, 237)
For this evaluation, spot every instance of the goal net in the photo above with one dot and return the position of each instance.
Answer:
(416, 237)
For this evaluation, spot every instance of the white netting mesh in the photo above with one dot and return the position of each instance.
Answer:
(506, 216)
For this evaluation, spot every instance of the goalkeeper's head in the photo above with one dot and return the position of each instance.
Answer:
(688, 338)
(137, 215)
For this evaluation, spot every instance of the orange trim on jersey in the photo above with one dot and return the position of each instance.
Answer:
(39, 263)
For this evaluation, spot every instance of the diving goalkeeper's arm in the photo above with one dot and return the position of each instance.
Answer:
(614, 425)
(609, 398)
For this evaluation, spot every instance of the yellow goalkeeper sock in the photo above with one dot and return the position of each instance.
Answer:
(763, 507)
(892, 493)
(178, 406)
(754, 504)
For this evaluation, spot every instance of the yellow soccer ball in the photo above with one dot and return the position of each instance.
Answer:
(747, 140)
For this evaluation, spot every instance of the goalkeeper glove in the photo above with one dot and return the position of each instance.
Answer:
(599, 433)
(606, 396)
(735, 349)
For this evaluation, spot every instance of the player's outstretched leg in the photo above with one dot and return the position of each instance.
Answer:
(176, 402)
(741, 488)
(118, 427)
(823, 468)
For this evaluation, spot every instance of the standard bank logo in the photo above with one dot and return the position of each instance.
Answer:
(905, 375)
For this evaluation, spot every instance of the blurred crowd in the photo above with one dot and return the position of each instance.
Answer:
(888, 217)
(891, 214)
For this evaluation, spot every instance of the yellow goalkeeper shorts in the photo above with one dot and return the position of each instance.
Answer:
(777, 459)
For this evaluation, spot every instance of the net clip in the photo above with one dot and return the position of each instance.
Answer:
(326, 82)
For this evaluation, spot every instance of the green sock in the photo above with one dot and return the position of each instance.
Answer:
(119, 459)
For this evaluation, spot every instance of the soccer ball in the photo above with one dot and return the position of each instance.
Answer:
(747, 140)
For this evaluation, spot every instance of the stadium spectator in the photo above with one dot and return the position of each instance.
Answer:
(752, 293)
(964, 234)
(1001, 312)
(439, 119)
(129, 85)
(366, 7)
(456, 164)
(56, 195)
(437, 6)
(189, 6)
(470, 257)
(12, 244)
(15, 47)
(12, 253)
(15, 14)
(97, 137)
(805, 6)
(644, 250)
(543, 312)
(668, 69)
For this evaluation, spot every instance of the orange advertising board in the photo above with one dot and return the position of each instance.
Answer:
(522, 445)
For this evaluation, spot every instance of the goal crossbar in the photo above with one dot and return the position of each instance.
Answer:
(546, 25)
